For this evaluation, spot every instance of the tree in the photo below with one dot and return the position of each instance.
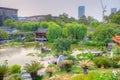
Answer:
(54, 32)
(94, 24)
(64, 18)
(84, 60)
(4, 35)
(8, 23)
(103, 32)
(43, 25)
(49, 18)
(28, 26)
(33, 68)
(74, 31)
(115, 18)
(83, 20)
(61, 45)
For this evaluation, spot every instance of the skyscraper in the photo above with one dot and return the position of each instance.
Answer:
(113, 10)
(81, 11)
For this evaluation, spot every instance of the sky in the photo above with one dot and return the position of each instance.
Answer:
(56, 7)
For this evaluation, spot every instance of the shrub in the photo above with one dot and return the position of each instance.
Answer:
(3, 71)
(76, 69)
(91, 43)
(52, 68)
(75, 41)
(67, 64)
(115, 65)
(13, 77)
(97, 76)
(29, 38)
(15, 69)
(102, 61)
(116, 58)
(17, 40)
(116, 50)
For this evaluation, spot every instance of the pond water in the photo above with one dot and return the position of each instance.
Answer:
(17, 55)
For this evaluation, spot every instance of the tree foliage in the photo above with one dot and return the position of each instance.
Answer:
(4, 35)
(61, 45)
(74, 30)
(115, 18)
(103, 33)
(27, 26)
(54, 31)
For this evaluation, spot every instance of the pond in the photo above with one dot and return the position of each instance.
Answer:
(17, 55)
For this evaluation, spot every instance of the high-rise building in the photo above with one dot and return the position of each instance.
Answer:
(81, 11)
(113, 10)
(7, 13)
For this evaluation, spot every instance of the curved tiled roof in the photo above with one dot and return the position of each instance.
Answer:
(116, 39)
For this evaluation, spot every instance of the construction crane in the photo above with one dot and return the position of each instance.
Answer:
(103, 9)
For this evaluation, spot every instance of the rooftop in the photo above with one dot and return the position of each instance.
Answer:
(8, 8)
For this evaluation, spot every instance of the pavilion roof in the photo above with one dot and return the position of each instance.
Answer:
(116, 39)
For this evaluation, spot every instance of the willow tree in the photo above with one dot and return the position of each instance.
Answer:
(75, 31)
(54, 31)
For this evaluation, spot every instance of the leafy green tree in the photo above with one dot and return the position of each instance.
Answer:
(54, 32)
(61, 45)
(28, 26)
(43, 25)
(4, 35)
(8, 23)
(103, 33)
(94, 24)
(74, 31)
(33, 68)
(115, 18)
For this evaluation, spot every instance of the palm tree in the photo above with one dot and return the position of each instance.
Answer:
(33, 68)
(3, 70)
(84, 60)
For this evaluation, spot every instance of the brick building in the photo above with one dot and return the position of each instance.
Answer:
(8, 13)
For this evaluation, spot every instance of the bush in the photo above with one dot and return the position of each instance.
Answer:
(97, 76)
(116, 58)
(102, 61)
(29, 37)
(75, 41)
(52, 68)
(91, 43)
(116, 50)
(15, 69)
(115, 65)
(76, 69)
(17, 40)
(67, 64)
(13, 77)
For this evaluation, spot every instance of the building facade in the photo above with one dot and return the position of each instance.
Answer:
(81, 11)
(113, 10)
(8, 13)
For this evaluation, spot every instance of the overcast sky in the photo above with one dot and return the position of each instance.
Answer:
(56, 7)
